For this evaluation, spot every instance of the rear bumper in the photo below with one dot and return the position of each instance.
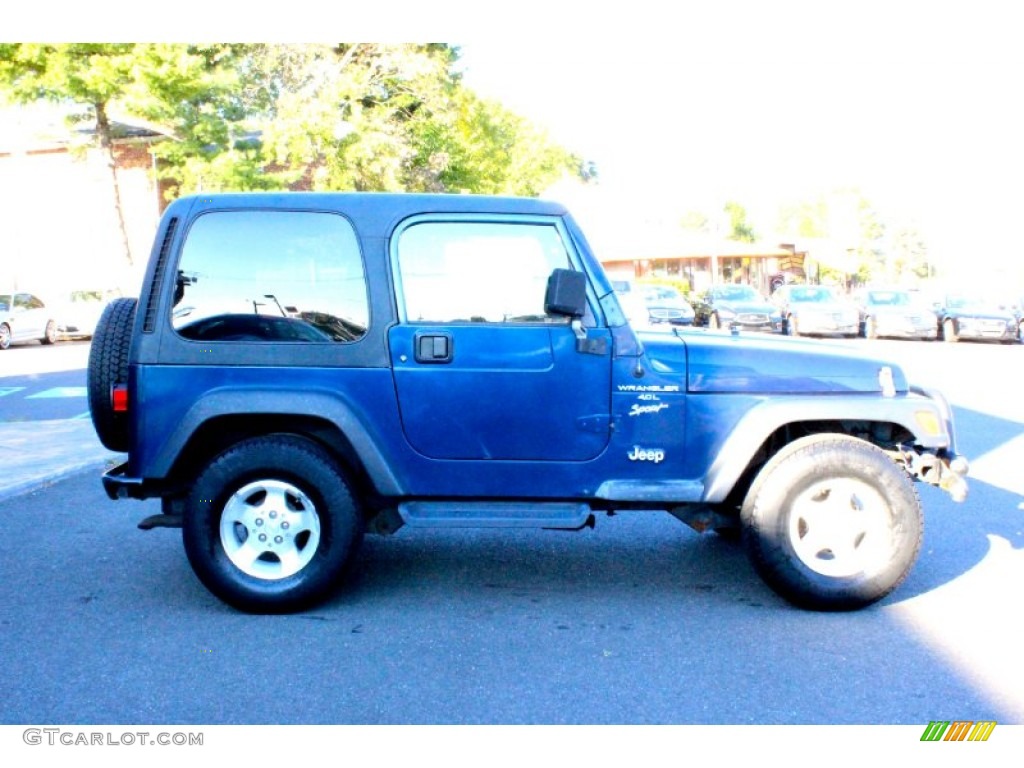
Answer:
(118, 485)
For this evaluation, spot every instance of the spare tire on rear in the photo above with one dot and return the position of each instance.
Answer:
(108, 365)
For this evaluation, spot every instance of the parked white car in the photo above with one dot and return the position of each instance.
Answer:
(24, 317)
(79, 312)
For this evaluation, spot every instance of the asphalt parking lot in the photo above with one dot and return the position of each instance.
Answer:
(640, 621)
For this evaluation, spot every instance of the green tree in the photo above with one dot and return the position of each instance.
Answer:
(847, 220)
(739, 228)
(92, 75)
(203, 99)
(350, 116)
(909, 254)
(390, 117)
(191, 92)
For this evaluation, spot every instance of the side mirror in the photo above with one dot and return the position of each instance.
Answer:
(566, 294)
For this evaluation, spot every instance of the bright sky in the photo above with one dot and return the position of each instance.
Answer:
(917, 104)
(690, 104)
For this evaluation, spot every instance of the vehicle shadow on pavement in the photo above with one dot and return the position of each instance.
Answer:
(958, 537)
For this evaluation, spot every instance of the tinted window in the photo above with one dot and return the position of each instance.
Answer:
(478, 272)
(271, 276)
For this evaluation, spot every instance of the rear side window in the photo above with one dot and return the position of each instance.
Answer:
(478, 272)
(271, 276)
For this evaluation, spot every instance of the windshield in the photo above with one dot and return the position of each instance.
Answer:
(737, 293)
(889, 298)
(814, 293)
(963, 302)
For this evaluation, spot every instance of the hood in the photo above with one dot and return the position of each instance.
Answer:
(743, 307)
(749, 364)
(821, 306)
(982, 313)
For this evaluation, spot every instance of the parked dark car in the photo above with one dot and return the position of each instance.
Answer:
(816, 310)
(894, 313)
(737, 305)
(966, 316)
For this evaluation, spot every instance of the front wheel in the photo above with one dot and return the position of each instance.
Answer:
(714, 323)
(949, 331)
(5, 336)
(50, 334)
(832, 523)
(271, 524)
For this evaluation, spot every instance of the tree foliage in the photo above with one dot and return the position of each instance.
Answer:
(92, 75)
(350, 116)
(739, 228)
(853, 226)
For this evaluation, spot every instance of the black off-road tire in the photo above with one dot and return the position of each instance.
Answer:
(271, 524)
(108, 365)
(832, 523)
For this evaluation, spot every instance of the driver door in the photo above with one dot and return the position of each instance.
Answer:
(481, 372)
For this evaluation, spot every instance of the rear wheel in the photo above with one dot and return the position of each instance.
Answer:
(108, 365)
(5, 336)
(271, 524)
(714, 323)
(832, 523)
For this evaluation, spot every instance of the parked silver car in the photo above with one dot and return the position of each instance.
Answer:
(817, 310)
(894, 313)
(24, 317)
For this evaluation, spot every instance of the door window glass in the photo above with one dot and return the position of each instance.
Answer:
(480, 272)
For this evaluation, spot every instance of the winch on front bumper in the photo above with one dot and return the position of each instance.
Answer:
(948, 473)
(943, 467)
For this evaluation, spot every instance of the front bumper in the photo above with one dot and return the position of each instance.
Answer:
(987, 333)
(944, 468)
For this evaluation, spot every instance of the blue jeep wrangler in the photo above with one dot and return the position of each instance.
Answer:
(300, 369)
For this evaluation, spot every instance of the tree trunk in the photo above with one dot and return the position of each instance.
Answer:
(107, 145)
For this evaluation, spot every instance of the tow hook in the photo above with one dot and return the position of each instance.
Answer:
(948, 474)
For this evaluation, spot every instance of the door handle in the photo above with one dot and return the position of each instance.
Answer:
(433, 347)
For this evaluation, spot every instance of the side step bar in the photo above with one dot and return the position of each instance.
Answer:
(489, 514)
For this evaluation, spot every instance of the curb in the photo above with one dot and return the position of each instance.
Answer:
(36, 454)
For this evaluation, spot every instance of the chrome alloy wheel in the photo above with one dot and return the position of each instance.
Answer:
(269, 529)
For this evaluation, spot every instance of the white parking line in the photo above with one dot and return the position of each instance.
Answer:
(9, 390)
(60, 392)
